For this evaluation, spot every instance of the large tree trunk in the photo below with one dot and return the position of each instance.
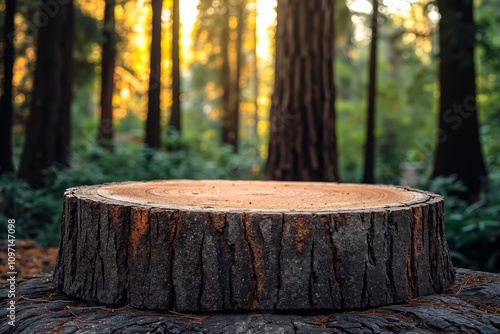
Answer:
(6, 108)
(48, 130)
(459, 149)
(108, 70)
(153, 134)
(242, 245)
(175, 118)
(303, 143)
(372, 91)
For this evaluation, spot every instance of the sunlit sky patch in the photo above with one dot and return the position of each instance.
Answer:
(266, 14)
(400, 7)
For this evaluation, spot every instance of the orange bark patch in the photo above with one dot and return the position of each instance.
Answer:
(113, 211)
(140, 224)
(339, 220)
(174, 222)
(411, 259)
(210, 220)
(256, 261)
(302, 231)
(220, 221)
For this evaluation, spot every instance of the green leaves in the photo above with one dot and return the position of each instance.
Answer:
(472, 231)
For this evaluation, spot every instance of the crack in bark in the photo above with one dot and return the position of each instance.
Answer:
(280, 276)
(370, 236)
(337, 264)
(312, 277)
(175, 228)
(389, 263)
(201, 273)
(255, 295)
(328, 228)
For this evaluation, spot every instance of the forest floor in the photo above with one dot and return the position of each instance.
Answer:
(31, 259)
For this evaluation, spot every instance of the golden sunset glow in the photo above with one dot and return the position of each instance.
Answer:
(132, 72)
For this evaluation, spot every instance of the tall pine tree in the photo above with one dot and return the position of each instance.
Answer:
(372, 92)
(108, 70)
(459, 150)
(6, 108)
(153, 134)
(175, 117)
(48, 130)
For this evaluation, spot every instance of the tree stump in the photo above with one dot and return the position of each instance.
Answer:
(251, 245)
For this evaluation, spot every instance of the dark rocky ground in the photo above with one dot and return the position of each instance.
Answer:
(471, 305)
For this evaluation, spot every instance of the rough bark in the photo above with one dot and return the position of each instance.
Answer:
(372, 89)
(469, 306)
(108, 70)
(175, 118)
(303, 143)
(48, 129)
(153, 133)
(254, 246)
(6, 108)
(459, 149)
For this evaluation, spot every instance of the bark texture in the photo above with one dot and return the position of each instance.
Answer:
(469, 306)
(459, 149)
(48, 129)
(303, 143)
(153, 257)
(6, 108)
(108, 70)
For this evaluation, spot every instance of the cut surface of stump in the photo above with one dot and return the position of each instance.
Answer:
(251, 245)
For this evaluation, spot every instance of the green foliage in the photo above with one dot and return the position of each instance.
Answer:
(472, 231)
(38, 211)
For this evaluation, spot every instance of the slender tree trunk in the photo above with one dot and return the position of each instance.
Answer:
(225, 77)
(6, 108)
(234, 111)
(372, 89)
(108, 70)
(153, 134)
(459, 149)
(175, 119)
(48, 130)
(303, 143)
(256, 73)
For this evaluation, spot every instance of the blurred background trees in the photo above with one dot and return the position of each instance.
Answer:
(198, 76)
(107, 72)
(459, 149)
(153, 128)
(48, 129)
(6, 108)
